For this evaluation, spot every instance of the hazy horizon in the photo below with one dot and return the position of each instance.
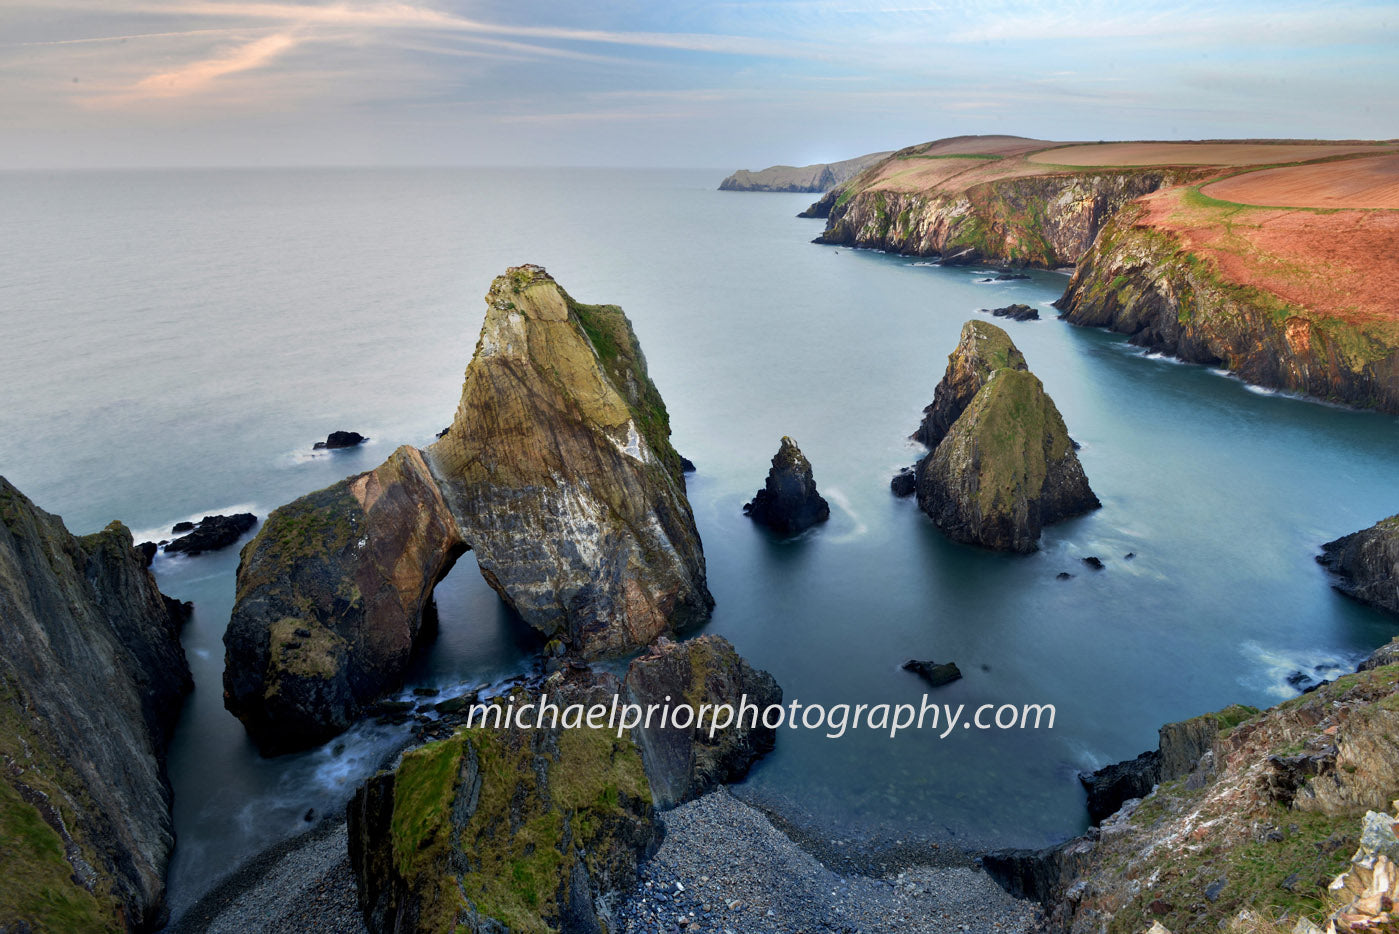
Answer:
(307, 83)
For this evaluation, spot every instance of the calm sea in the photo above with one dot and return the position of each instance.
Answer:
(175, 341)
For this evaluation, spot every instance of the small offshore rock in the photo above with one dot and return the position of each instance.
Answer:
(1094, 562)
(687, 465)
(340, 439)
(148, 551)
(212, 533)
(935, 674)
(181, 527)
(904, 483)
(1016, 312)
(1063, 576)
(789, 502)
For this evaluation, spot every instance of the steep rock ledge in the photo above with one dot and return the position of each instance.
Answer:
(1258, 824)
(1140, 280)
(92, 678)
(1046, 220)
(1366, 564)
(557, 470)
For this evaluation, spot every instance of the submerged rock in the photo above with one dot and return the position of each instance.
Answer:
(211, 534)
(788, 503)
(330, 599)
(684, 763)
(1366, 564)
(506, 829)
(1006, 467)
(557, 470)
(935, 674)
(340, 439)
(92, 679)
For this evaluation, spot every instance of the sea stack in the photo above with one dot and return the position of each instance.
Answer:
(557, 471)
(1366, 564)
(789, 503)
(1002, 465)
(92, 679)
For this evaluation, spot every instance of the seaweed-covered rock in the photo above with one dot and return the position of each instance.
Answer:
(211, 534)
(981, 351)
(330, 599)
(1366, 564)
(788, 503)
(92, 679)
(526, 830)
(684, 763)
(1006, 467)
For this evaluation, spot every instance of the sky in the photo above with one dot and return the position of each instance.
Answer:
(126, 83)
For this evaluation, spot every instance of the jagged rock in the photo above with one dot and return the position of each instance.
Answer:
(687, 465)
(904, 483)
(148, 552)
(330, 598)
(340, 439)
(1366, 564)
(505, 829)
(560, 470)
(181, 527)
(935, 674)
(557, 470)
(1387, 654)
(684, 763)
(1006, 467)
(1015, 312)
(212, 533)
(92, 679)
(789, 503)
(1093, 562)
(982, 350)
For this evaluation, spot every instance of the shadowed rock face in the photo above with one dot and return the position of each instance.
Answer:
(788, 503)
(1006, 466)
(529, 830)
(558, 471)
(92, 678)
(1366, 564)
(330, 601)
(684, 763)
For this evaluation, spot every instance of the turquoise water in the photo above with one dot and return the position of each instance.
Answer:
(174, 343)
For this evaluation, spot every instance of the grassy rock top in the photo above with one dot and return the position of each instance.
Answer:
(982, 350)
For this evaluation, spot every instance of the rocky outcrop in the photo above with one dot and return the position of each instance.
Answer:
(330, 600)
(1046, 219)
(683, 763)
(1366, 564)
(935, 673)
(788, 503)
(211, 534)
(558, 471)
(1005, 467)
(1257, 825)
(1015, 312)
(340, 439)
(1139, 280)
(92, 678)
(821, 176)
(526, 830)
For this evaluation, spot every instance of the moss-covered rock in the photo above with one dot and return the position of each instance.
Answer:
(560, 470)
(92, 678)
(1366, 564)
(1006, 467)
(330, 601)
(684, 762)
(788, 502)
(492, 830)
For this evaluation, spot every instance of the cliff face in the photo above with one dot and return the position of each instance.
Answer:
(331, 595)
(557, 470)
(560, 469)
(1006, 466)
(1259, 823)
(1045, 220)
(1140, 280)
(92, 677)
(821, 176)
(684, 763)
(505, 829)
(1366, 564)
